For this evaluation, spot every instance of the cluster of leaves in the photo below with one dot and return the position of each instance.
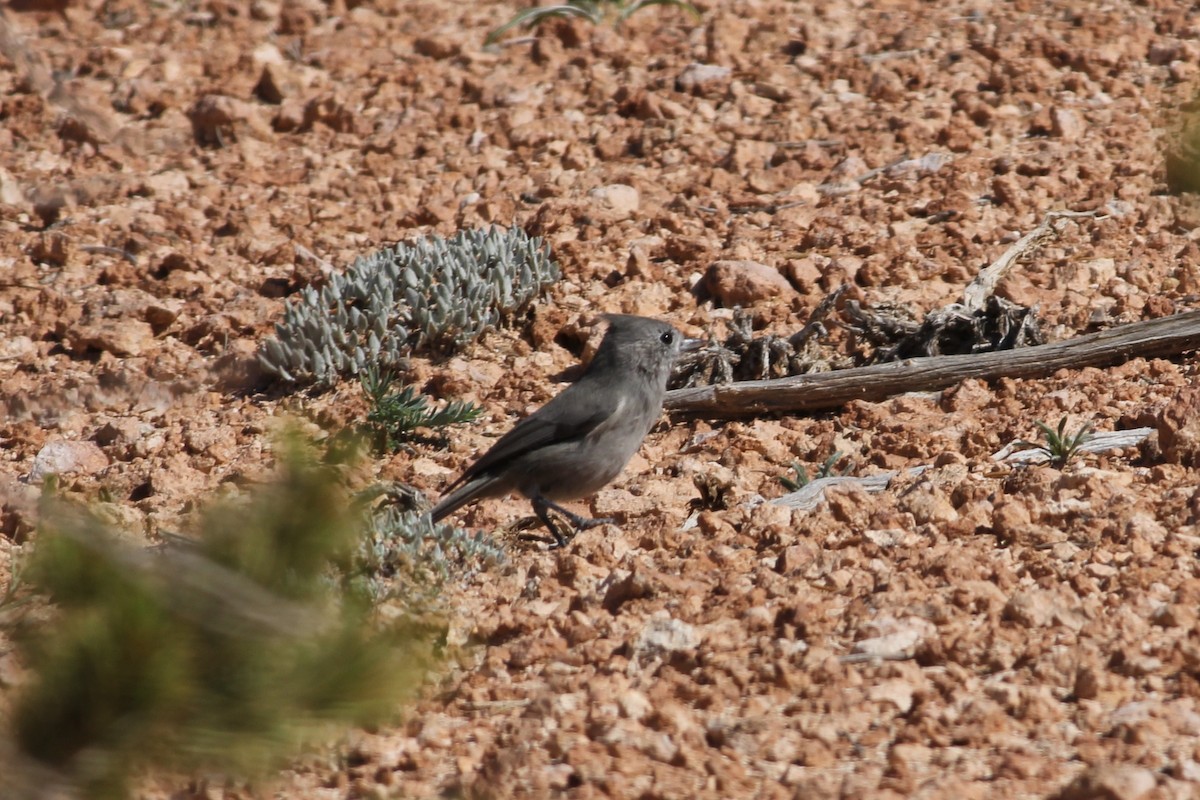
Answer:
(403, 551)
(221, 652)
(594, 11)
(395, 415)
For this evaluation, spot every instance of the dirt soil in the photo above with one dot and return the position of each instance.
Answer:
(171, 172)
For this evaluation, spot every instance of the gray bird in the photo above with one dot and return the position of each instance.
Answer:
(581, 439)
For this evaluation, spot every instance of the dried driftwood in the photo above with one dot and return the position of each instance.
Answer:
(951, 330)
(1155, 338)
(982, 321)
(976, 295)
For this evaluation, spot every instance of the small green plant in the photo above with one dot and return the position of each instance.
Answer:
(395, 415)
(594, 11)
(1060, 446)
(826, 471)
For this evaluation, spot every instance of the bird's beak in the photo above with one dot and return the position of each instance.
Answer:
(692, 345)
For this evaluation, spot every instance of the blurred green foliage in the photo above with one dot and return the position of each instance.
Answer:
(221, 653)
(1182, 149)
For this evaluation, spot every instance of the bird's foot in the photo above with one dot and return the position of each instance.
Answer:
(542, 507)
(579, 524)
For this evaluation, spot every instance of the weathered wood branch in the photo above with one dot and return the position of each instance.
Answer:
(812, 493)
(984, 286)
(1156, 338)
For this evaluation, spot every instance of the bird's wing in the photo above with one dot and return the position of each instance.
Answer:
(571, 415)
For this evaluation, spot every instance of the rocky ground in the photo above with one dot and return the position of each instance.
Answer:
(171, 172)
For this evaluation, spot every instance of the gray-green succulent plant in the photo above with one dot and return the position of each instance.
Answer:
(433, 293)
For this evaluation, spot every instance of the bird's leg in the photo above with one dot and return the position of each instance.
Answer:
(542, 507)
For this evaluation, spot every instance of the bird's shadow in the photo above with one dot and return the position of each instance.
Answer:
(530, 531)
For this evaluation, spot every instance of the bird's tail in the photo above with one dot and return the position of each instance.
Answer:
(469, 491)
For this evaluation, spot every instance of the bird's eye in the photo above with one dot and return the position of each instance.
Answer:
(667, 337)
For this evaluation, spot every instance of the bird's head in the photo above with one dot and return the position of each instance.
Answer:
(635, 345)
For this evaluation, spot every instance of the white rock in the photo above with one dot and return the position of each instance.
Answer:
(702, 78)
(616, 201)
(665, 635)
(62, 457)
(1110, 782)
(634, 704)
